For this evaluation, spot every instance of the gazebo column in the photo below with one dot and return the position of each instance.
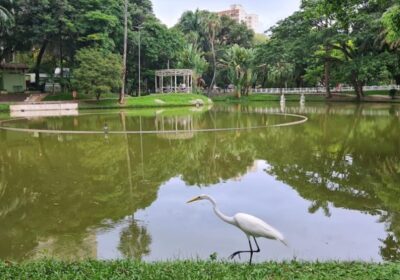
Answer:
(156, 82)
(175, 82)
(162, 83)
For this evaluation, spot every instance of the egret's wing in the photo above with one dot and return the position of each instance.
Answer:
(257, 227)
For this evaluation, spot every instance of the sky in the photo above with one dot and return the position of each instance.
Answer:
(269, 11)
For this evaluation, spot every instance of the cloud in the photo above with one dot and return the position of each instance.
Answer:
(269, 11)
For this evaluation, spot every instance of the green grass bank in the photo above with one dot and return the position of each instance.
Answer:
(197, 270)
(4, 107)
(149, 101)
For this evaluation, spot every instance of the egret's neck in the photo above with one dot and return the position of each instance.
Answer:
(221, 215)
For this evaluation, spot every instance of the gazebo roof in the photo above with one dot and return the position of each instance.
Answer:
(174, 72)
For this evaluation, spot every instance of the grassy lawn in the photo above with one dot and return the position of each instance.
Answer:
(149, 101)
(151, 112)
(375, 92)
(67, 96)
(197, 270)
(4, 107)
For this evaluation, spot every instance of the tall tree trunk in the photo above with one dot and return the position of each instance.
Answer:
(327, 78)
(39, 62)
(358, 87)
(361, 88)
(61, 62)
(214, 68)
(122, 93)
(397, 79)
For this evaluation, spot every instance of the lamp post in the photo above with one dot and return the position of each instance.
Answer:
(139, 27)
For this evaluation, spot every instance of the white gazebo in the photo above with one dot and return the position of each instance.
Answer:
(174, 80)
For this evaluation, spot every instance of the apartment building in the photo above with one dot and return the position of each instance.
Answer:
(239, 14)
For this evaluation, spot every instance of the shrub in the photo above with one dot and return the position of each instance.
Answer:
(392, 93)
(99, 71)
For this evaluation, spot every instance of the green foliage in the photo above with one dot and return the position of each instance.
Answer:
(241, 69)
(391, 21)
(4, 107)
(393, 93)
(192, 58)
(160, 46)
(280, 72)
(198, 270)
(6, 20)
(149, 101)
(325, 42)
(214, 35)
(99, 71)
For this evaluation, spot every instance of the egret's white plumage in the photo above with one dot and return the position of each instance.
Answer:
(250, 225)
(253, 226)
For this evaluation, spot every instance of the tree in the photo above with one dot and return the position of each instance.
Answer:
(240, 64)
(214, 35)
(280, 72)
(324, 15)
(391, 22)
(191, 22)
(191, 57)
(99, 71)
(233, 33)
(365, 61)
(6, 19)
(161, 46)
(211, 25)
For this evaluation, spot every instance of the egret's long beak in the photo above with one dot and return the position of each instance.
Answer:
(194, 199)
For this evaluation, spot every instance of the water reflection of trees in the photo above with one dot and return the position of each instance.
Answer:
(134, 241)
(350, 162)
(54, 186)
(51, 189)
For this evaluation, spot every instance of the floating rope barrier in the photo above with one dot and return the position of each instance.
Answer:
(302, 119)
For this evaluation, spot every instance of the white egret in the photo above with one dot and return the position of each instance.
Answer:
(250, 225)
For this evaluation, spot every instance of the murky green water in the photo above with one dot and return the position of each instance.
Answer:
(331, 185)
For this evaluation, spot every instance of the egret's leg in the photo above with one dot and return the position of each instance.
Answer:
(252, 251)
(240, 252)
(258, 248)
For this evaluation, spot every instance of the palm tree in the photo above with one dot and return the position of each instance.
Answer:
(193, 58)
(280, 72)
(190, 21)
(240, 64)
(6, 19)
(211, 26)
(190, 24)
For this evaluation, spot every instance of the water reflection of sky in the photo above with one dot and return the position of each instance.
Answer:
(184, 231)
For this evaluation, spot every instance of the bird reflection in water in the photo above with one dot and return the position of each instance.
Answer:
(105, 129)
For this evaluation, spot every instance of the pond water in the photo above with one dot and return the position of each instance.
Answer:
(330, 185)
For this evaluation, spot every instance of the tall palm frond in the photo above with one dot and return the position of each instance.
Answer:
(6, 20)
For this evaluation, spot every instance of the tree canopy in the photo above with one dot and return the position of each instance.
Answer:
(324, 43)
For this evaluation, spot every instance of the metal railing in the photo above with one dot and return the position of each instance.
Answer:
(312, 90)
(321, 90)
